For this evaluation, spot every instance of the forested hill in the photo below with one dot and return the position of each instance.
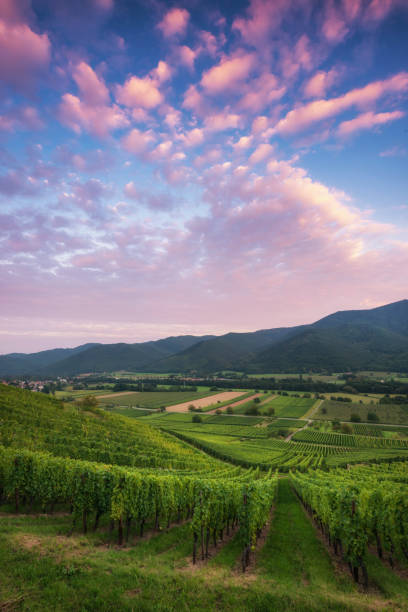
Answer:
(374, 339)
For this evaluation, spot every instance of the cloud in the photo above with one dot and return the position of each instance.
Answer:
(395, 151)
(192, 138)
(91, 110)
(263, 151)
(301, 117)
(367, 121)
(222, 121)
(144, 92)
(174, 23)
(92, 89)
(24, 53)
(99, 120)
(23, 118)
(186, 56)
(263, 17)
(137, 142)
(228, 74)
(193, 100)
(261, 92)
(131, 191)
(319, 83)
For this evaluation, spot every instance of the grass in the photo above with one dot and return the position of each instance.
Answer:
(43, 569)
(289, 406)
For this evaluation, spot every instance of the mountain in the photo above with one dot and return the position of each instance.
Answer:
(94, 357)
(16, 364)
(374, 339)
(354, 339)
(339, 349)
(223, 352)
(393, 317)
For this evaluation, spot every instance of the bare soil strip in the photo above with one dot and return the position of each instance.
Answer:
(116, 394)
(235, 404)
(205, 401)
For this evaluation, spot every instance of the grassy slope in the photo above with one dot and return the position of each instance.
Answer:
(42, 569)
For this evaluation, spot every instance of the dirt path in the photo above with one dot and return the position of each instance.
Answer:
(235, 404)
(312, 411)
(297, 430)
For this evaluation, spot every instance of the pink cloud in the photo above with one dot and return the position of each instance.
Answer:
(174, 22)
(379, 9)
(243, 143)
(261, 153)
(318, 84)
(92, 89)
(131, 191)
(193, 100)
(23, 118)
(260, 92)
(105, 5)
(222, 121)
(186, 56)
(302, 117)
(367, 121)
(99, 120)
(228, 74)
(91, 111)
(296, 57)
(334, 26)
(144, 92)
(23, 52)
(263, 16)
(137, 142)
(162, 72)
(192, 138)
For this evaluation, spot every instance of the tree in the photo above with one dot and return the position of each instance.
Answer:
(355, 418)
(191, 408)
(346, 428)
(271, 411)
(218, 411)
(230, 410)
(257, 400)
(373, 417)
(196, 418)
(252, 410)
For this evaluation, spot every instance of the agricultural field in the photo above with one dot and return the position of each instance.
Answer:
(290, 406)
(99, 511)
(154, 399)
(387, 413)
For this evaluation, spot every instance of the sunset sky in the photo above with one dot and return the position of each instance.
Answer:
(198, 167)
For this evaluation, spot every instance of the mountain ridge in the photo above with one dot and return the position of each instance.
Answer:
(375, 339)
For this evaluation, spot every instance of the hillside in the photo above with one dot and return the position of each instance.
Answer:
(339, 349)
(375, 339)
(36, 422)
(94, 357)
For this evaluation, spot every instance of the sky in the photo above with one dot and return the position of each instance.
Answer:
(198, 167)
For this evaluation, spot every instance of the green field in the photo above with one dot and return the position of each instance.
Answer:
(153, 399)
(99, 511)
(387, 413)
(289, 406)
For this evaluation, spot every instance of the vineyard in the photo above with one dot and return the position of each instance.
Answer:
(359, 508)
(193, 500)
